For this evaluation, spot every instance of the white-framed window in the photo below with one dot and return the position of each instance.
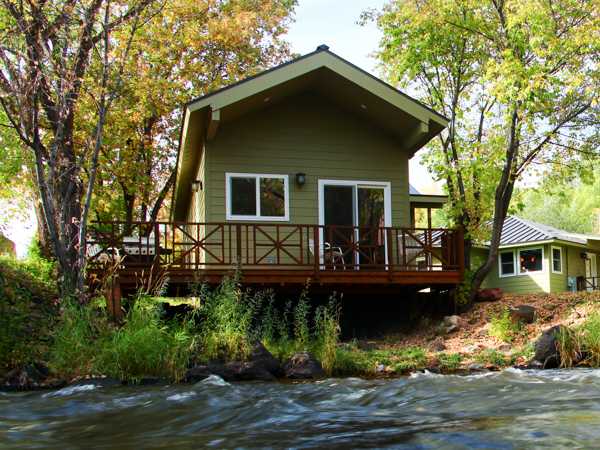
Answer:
(530, 260)
(251, 196)
(557, 260)
(506, 264)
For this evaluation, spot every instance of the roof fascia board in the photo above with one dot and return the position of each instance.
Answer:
(313, 62)
(530, 243)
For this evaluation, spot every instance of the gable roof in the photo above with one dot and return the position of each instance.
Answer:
(407, 120)
(517, 231)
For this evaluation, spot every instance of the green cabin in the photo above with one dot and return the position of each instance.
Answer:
(298, 173)
(536, 258)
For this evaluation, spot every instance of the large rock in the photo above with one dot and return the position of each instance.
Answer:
(453, 323)
(261, 365)
(29, 377)
(546, 349)
(303, 366)
(488, 295)
(523, 313)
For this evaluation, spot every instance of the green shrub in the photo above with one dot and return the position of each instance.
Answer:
(410, 358)
(590, 339)
(227, 322)
(145, 346)
(327, 334)
(301, 325)
(492, 357)
(353, 362)
(81, 335)
(504, 327)
(28, 310)
(449, 361)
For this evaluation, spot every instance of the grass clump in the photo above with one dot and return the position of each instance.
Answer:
(146, 346)
(227, 317)
(449, 361)
(491, 357)
(87, 343)
(503, 327)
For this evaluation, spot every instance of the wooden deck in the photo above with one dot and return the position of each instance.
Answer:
(277, 254)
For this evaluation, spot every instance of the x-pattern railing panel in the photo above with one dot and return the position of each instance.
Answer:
(195, 246)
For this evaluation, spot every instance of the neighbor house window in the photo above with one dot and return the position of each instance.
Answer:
(256, 197)
(507, 264)
(557, 259)
(531, 260)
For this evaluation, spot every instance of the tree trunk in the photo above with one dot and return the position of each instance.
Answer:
(162, 196)
(43, 237)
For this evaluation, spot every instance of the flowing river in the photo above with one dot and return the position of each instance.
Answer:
(503, 410)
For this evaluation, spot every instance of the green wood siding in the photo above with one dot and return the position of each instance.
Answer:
(546, 281)
(309, 134)
(197, 213)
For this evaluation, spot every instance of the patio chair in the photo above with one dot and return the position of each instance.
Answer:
(102, 255)
(334, 254)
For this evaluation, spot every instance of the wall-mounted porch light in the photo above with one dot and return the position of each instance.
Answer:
(300, 178)
(197, 185)
(584, 255)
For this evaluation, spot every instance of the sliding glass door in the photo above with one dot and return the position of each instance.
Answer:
(353, 214)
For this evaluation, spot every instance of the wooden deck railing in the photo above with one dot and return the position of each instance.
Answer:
(198, 246)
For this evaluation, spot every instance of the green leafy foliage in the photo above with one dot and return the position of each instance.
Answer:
(503, 327)
(28, 310)
(492, 357)
(449, 361)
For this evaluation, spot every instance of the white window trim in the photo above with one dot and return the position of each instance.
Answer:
(552, 248)
(519, 261)
(514, 274)
(258, 217)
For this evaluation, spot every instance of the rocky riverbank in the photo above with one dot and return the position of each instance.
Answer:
(514, 331)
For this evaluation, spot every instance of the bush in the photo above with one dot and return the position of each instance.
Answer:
(450, 361)
(28, 309)
(86, 343)
(590, 339)
(82, 334)
(144, 346)
(227, 319)
(492, 357)
(410, 358)
(504, 327)
(327, 334)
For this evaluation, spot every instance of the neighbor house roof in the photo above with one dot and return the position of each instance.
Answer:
(517, 231)
(412, 123)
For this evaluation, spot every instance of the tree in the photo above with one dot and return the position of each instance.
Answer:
(570, 205)
(519, 82)
(190, 48)
(47, 49)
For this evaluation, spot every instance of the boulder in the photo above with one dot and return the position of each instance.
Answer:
(453, 323)
(303, 366)
(261, 357)
(438, 345)
(261, 365)
(488, 295)
(523, 313)
(546, 350)
(29, 377)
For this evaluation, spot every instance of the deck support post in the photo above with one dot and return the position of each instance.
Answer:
(113, 299)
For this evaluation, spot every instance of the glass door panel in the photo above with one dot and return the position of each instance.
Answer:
(339, 222)
(371, 220)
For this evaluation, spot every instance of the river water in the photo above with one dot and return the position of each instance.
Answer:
(502, 410)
